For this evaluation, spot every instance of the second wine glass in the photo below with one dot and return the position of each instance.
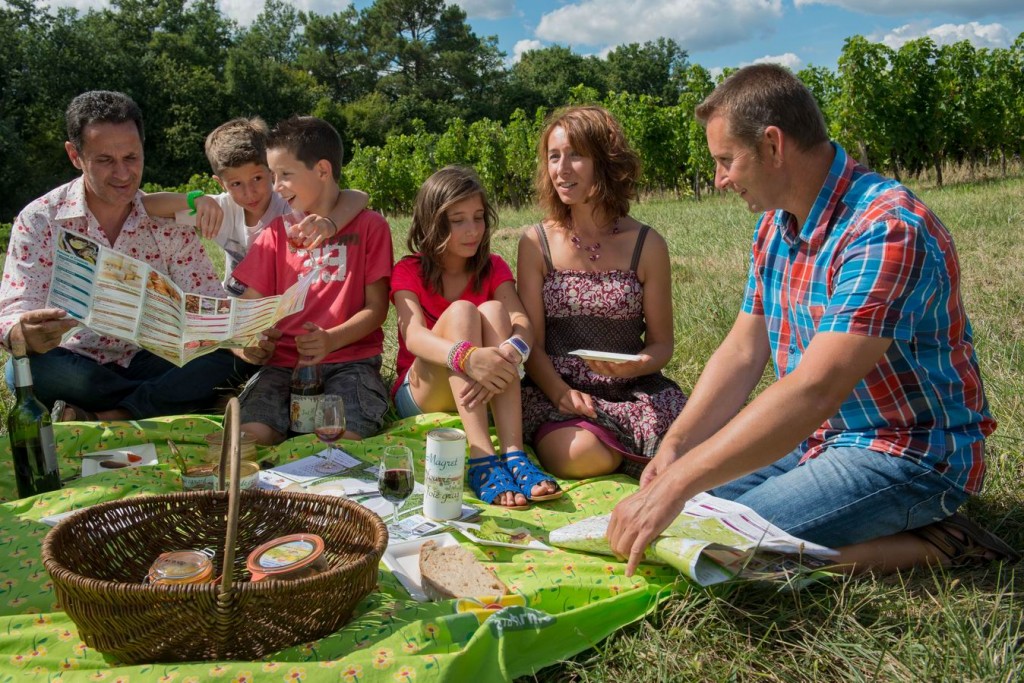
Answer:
(329, 426)
(395, 479)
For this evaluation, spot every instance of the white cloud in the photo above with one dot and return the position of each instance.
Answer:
(966, 8)
(694, 24)
(486, 9)
(979, 35)
(524, 46)
(788, 60)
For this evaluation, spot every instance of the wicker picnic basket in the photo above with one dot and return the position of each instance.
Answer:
(99, 558)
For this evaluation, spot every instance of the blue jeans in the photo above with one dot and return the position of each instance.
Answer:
(405, 404)
(846, 495)
(150, 386)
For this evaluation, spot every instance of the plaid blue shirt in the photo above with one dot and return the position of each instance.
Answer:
(873, 260)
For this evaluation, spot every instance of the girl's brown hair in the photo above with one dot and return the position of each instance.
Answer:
(430, 230)
(594, 133)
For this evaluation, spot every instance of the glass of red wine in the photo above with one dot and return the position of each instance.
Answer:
(329, 426)
(395, 479)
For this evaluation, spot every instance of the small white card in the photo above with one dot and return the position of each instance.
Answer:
(606, 356)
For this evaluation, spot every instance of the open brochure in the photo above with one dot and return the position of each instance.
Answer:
(116, 295)
(711, 541)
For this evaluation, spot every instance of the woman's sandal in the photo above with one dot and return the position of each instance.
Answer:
(60, 408)
(527, 475)
(488, 478)
(966, 543)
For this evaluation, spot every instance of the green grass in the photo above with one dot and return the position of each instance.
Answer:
(956, 626)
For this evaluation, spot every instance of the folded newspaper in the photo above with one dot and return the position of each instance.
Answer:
(116, 295)
(711, 541)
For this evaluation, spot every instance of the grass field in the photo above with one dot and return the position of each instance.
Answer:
(957, 626)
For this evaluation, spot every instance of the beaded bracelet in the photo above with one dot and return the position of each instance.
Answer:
(457, 354)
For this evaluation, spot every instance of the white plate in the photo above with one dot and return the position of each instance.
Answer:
(606, 356)
(129, 456)
(403, 559)
(469, 531)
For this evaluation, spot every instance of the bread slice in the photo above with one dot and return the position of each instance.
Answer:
(452, 572)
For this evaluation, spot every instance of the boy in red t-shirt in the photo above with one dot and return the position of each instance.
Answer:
(340, 326)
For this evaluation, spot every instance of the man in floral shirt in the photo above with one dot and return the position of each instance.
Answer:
(88, 375)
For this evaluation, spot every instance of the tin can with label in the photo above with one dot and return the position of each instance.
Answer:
(444, 468)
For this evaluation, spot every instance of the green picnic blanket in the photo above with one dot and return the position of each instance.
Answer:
(560, 603)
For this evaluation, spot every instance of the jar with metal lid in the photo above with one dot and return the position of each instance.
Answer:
(179, 567)
(215, 439)
(204, 477)
(296, 556)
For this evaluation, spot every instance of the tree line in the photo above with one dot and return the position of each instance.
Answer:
(410, 87)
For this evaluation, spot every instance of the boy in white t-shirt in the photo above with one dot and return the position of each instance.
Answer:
(237, 151)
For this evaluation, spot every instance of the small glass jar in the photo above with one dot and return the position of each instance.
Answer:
(296, 556)
(247, 442)
(179, 567)
(204, 477)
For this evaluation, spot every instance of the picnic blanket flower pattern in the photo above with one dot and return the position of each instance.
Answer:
(560, 602)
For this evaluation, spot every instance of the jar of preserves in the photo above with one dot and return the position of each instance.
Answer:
(286, 558)
(179, 567)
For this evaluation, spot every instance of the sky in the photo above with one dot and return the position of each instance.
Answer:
(715, 33)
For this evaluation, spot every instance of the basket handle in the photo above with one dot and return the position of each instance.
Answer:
(230, 450)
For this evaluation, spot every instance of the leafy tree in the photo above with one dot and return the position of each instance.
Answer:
(699, 166)
(654, 68)
(261, 75)
(824, 85)
(544, 78)
(433, 66)
(962, 107)
(915, 98)
(335, 56)
(864, 115)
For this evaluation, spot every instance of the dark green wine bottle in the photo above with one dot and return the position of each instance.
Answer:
(31, 434)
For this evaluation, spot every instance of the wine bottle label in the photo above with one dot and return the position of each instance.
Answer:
(303, 413)
(49, 447)
(22, 373)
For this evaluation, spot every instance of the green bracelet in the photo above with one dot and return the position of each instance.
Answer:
(192, 197)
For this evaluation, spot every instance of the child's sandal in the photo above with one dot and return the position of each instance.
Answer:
(488, 478)
(527, 475)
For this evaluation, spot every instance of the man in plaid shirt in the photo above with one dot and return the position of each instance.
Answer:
(874, 432)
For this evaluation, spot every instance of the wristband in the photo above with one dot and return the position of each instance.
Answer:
(191, 198)
(520, 345)
(333, 225)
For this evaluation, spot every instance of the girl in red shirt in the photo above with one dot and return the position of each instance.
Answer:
(463, 335)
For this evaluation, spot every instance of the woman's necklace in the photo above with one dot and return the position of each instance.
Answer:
(593, 249)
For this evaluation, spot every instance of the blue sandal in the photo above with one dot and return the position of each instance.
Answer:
(488, 478)
(527, 475)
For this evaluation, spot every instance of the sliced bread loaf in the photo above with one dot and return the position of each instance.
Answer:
(453, 572)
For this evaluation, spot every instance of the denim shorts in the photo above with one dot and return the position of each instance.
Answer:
(266, 397)
(846, 495)
(405, 404)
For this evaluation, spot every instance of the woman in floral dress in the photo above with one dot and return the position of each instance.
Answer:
(593, 278)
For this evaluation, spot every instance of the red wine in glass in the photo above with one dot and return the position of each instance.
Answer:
(395, 480)
(396, 485)
(329, 435)
(329, 426)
